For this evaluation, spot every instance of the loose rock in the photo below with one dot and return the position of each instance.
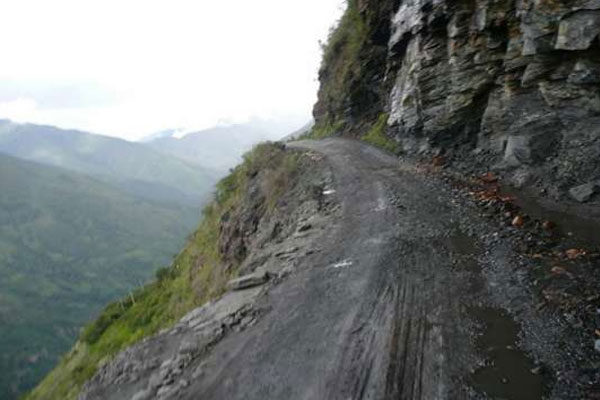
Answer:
(583, 193)
(248, 281)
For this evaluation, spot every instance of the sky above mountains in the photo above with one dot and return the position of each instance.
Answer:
(130, 68)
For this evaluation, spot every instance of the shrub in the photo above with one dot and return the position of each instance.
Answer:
(323, 130)
(377, 136)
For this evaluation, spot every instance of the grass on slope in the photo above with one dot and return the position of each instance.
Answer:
(322, 131)
(341, 54)
(377, 137)
(195, 276)
(342, 68)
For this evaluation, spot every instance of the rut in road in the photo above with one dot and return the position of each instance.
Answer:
(404, 337)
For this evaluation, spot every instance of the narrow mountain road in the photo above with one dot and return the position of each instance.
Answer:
(379, 313)
(406, 297)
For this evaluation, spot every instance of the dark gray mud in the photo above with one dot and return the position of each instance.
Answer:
(508, 373)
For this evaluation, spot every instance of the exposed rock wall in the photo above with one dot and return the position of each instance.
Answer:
(514, 84)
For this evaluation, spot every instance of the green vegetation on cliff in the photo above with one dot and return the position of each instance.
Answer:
(198, 274)
(323, 130)
(341, 66)
(377, 137)
(354, 62)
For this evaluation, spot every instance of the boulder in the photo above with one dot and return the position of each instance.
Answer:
(145, 394)
(528, 149)
(583, 193)
(578, 30)
(248, 281)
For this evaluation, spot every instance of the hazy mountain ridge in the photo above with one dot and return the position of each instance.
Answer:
(221, 147)
(133, 166)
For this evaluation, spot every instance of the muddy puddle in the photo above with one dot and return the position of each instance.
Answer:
(461, 243)
(465, 249)
(583, 231)
(508, 373)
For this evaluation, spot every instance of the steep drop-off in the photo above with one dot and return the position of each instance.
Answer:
(510, 85)
(255, 208)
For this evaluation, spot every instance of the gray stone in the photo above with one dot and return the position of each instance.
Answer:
(166, 364)
(517, 150)
(597, 345)
(578, 30)
(585, 72)
(155, 381)
(166, 391)
(583, 193)
(408, 18)
(187, 347)
(144, 394)
(527, 149)
(248, 281)
(198, 372)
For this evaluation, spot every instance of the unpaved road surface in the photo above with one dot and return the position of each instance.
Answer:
(411, 296)
(374, 315)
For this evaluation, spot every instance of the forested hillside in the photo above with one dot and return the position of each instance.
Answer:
(69, 244)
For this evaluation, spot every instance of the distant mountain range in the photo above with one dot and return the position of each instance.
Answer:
(134, 167)
(84, 218)
(159, 135)
(219, 148)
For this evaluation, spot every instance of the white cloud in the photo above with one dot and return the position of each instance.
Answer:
(19, 110)
(165, 63)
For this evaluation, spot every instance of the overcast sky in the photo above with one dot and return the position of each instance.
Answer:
(132, 67)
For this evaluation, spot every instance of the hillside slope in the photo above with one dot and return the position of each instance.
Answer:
(366, 278)
(74, 243)
(133, 167)
(246, 202)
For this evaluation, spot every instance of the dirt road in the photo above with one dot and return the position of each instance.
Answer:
(411, 295)
(381, 313)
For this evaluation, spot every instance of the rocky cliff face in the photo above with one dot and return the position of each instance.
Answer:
(513, 84)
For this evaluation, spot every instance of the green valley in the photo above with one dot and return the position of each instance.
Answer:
(69, 243)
